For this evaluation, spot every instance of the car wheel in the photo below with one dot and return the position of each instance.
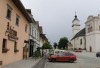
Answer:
(53, 60)
(71, 60)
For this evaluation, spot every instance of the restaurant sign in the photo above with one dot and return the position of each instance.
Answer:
(11, 33)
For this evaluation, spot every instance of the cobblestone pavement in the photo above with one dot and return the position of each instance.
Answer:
(84, 60)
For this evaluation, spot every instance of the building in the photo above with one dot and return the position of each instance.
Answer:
(43, 38)
(78, 40)
(88, 38)
(92, 26)
(14, 30)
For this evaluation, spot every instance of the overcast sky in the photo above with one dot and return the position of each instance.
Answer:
(55, 16)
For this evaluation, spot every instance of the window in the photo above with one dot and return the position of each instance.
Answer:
(80, 41)
(4, 44)
(35, 33)
(32, 31)
(90, 29)
(26, 28)
(68, 54)
(99, 28)
(9, 9)
(15, 47)
(17, 20)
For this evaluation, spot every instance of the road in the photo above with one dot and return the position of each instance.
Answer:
(41, 63)
(84, 60)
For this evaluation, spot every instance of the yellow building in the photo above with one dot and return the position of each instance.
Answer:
(13, 30)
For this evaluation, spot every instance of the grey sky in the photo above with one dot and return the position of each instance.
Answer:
(55, 16)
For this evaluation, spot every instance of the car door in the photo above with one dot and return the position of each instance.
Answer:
(60, 57)
(67, 56)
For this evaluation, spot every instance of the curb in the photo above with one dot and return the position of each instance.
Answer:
(45, 64)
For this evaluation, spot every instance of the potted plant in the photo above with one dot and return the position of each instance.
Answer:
(16, 50)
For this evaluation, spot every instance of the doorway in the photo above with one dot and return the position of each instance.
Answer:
(90, 49)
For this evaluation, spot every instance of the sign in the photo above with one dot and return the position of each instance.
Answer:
(11, 33)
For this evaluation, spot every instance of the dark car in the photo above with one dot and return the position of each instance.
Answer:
(98, 54)
(67, 56)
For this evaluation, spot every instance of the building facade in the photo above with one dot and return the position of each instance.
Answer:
(93, 33)
(78, 40)
(34, 37)
(88, 38)
(14, 30)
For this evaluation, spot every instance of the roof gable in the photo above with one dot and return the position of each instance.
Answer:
(80, 33)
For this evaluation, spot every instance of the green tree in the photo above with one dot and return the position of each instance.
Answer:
(63, 43)
(47, 45)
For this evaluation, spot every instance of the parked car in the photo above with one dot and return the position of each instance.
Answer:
(65, 56)
(78, 50)
(98, 54)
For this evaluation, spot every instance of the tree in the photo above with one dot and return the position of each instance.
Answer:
(47, 46)
(63, 43)
(55, 45)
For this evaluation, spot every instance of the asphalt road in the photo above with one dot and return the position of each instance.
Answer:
(84, 60)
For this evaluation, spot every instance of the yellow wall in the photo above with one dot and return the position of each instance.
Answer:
(10, 56)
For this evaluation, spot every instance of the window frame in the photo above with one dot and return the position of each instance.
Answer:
(80, 41)
(4, 43)
(17, 19)
(9, 12)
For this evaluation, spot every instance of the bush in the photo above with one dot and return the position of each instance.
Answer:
(37, 54)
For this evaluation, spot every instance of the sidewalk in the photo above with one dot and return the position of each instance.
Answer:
(29, 63)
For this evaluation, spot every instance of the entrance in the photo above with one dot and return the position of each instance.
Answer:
(90, 49)
(24, 53)
(31, 51)
(31, 48)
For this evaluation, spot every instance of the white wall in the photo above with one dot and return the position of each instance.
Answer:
(76, 42)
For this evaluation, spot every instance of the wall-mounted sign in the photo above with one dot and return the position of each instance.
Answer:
(11, 33)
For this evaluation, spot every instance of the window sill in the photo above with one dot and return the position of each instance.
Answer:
(8, 18)
(5, 50)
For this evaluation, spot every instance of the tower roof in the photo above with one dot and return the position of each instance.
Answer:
(75, 18)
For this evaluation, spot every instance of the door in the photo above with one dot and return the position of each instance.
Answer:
(31, 51)
(90, 49)
(24, 53)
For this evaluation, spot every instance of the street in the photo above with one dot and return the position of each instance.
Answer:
(84, 60)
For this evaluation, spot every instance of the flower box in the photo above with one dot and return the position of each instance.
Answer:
(5, 50)
(16, 50)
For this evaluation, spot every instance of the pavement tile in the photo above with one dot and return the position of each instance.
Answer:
(29, 63)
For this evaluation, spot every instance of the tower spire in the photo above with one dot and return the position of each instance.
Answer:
(75, 16)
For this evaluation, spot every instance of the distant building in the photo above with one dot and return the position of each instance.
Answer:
(78, 40)
(14, 30)
(43, 38)
(88, 38)
(92, 26)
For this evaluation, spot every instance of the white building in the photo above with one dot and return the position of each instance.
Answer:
(93, 33)
(34, 35)
(78, 40)
(89, 37)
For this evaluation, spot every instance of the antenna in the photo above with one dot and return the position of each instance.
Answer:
(75, 13)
